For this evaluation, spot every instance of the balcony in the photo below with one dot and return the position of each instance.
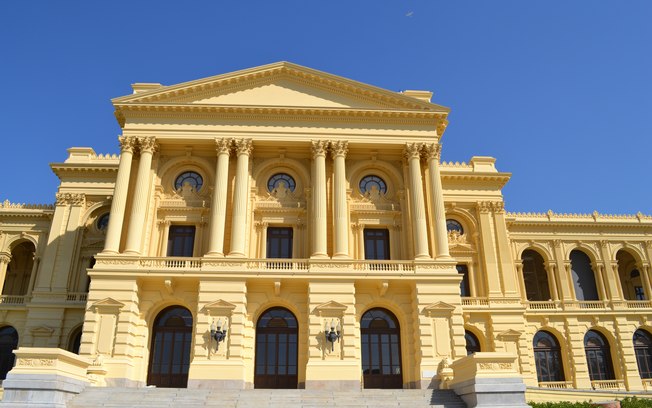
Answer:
(14, 300)
(556, 385)
(608, 385)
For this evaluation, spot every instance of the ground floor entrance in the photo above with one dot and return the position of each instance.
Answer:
(276, 350)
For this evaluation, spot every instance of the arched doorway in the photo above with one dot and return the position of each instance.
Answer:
(276, 350)
(19, 270)
(169, 358)
(8, 343)
(547, 357)
(381, 349)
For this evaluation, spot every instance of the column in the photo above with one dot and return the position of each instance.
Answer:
(417, 205)
(5, 258)
(433, 153)
(472, 287)
(340, 210)
(521, 281)
(261, 228)
(599, 273)
(218, 206)
(319, 248)
(645, 277)
(243, 148)
(139, 206)
(552, 278)
(112, 242)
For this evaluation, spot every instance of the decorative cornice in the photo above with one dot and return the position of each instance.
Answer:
(339, 148)
(22, 206)
(74, 199)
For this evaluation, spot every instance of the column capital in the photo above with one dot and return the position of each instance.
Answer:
(261, 225)
(412, 150)
(432, 151)
(147, 144)
(127, 143)
(5, 258)
(223, 146)
(77, 200)
(243, 146)
(318, 147)
(339, 148)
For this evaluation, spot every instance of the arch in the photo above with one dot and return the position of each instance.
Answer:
(277, 349)
(13, 243)
(535, 276)
(547, 357)
(169, 359)
(629, 276)
(583, 276)
(381, 349)
(632, 250)
(8, 343)
(19, 269)
(598, 356)
(356, 171)
(175, 166)
(643, 350)
(464, 217)
(538, 248)
(74, 339)
(472, 343)
(94, 212)
(269, 167)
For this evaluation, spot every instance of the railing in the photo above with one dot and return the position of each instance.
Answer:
(638, 304)
(647, 384)
(384, 266)
(556, 384)
(13, 300)
(592, 304)
(608, 385)
(278, 265)
(541, 305)
(171, 262)
(77, 297)
(475, 301)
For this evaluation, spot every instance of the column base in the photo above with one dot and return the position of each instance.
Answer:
(319, 256)
(214, 255)
(235, 255)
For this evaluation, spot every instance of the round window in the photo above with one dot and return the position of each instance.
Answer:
(103, 222)
(190, 178)
(281, 180)
(371, 183)
(454, 225)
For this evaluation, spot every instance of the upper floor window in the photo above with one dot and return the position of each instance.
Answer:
(279, 242)
(181, 240)
(454, 225)
(465, 287)
(193, 179)
(281, 180)
(376, 243)
(372, 184)
(103, 222)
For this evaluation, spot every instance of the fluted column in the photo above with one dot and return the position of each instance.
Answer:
(243, 148)
(433, 153)
(417, 204)
(139, 206)
(5, 258)
(319, 248)
(552, 277)
(218, 206)
(118, 204)
(341, 213)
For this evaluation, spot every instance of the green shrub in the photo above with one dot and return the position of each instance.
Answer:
(629, 402)
(633, 402)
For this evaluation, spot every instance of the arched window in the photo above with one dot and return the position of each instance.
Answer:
(472, 343)
(281, 180)
(535, 276)
(629, 276)
(191, 178)
(598, 356)
(74, 340)
(372, 185)
(19, 270)
(547, 356)
(103, 222)
(454, 225)
(583, 276)
(8, 343)
(643, 351)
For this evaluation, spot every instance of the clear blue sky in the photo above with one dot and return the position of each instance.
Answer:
(560, 92)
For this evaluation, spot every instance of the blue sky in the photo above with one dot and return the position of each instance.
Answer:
(560, 92)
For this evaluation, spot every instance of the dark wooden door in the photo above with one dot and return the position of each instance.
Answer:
(170, 351)
(381, 350)
(276, 350)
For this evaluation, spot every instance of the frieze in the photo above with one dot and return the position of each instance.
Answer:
(73, 199)
(35, 362)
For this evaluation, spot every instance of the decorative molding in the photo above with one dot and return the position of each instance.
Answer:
(74, 199)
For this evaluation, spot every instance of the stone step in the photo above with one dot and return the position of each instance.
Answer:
(96, 397)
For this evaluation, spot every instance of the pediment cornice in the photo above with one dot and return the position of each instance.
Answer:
(334, 83)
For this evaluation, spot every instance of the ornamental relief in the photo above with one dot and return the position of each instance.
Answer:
(35, 362)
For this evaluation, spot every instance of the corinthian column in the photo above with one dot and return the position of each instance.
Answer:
(417, 206)
(319, 249)
(118, 204)
(5, 258)
(433, 153)
(243, 148)
(139, 206)
(218, 206)
(341, 214)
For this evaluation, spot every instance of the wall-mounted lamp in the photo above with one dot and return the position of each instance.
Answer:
(218, 334)
(333, 334)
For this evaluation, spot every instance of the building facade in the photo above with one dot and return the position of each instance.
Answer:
(281, 227)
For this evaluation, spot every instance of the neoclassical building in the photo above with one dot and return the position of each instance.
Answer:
(282, 227)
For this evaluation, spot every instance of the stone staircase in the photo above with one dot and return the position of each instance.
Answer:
(93, 397)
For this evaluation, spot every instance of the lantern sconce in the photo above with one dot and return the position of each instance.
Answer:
(218, 334)
(333, 334)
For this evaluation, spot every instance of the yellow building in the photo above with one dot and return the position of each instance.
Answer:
(281, 227)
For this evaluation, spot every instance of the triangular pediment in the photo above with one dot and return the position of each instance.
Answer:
(438, 308)
(331, 306)
(281, 84)
(509, 334)
(106, 303)
(218, 306)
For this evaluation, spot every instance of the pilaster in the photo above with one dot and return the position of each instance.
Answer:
(491, 267)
